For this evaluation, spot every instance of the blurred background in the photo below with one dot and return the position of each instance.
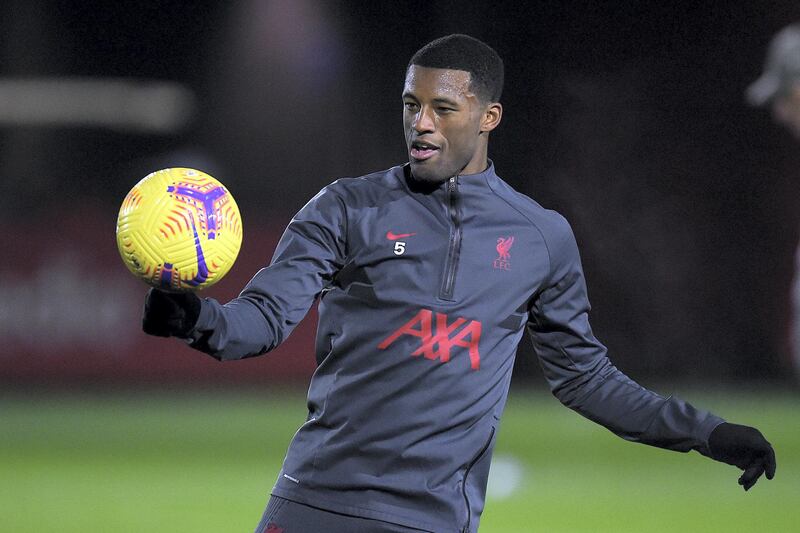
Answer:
(628, 119)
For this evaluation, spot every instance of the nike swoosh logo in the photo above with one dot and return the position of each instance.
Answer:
(394, 236)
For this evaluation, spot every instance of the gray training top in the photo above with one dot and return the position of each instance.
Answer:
(424, 294)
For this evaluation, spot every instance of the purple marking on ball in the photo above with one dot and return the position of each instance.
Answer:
(202, 268)
(166, 276)
(206, 198)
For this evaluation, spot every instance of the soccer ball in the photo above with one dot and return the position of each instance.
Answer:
(179, 229)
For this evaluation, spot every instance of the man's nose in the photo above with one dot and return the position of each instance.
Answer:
(424, 121)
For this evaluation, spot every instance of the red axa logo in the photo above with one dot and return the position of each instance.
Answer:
(439, 337)
(503, 260)
(273, 528)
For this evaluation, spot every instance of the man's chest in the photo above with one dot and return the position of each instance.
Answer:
(470, 253)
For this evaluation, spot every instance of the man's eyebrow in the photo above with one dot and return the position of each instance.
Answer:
(439, 100)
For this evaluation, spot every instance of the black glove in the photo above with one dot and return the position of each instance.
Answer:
(169, 314)
(744, 447)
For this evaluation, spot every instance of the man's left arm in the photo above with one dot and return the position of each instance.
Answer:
(582, 377)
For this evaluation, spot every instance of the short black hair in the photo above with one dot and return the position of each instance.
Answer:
(462, 52)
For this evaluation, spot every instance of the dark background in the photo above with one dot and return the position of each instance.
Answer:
(628, 119)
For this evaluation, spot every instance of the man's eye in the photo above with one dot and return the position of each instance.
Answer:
(445, 110)
(410, 105)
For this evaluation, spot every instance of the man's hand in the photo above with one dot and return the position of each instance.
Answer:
(744, 447)
(170, 314)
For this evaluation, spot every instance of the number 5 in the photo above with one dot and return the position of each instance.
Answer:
(399, 248)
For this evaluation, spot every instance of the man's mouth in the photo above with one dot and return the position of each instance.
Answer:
(421, 150)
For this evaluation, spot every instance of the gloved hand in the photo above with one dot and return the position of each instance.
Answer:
(169, 314)
(744, 447)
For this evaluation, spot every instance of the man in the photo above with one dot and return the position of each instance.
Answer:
(427, 275)
(779, 87)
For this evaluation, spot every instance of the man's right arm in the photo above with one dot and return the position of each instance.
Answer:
(310, 252)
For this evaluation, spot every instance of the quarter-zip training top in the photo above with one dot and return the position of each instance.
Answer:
(424, 294)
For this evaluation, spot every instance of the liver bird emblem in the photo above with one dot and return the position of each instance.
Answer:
(503, 246)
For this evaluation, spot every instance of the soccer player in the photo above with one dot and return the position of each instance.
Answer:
(779, 87)
(427, 275)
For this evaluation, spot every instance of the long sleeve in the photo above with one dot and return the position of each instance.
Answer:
(582, 377)
(308, 255)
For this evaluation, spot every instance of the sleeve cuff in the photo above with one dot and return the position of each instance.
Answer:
(708, 426)
(202, 324)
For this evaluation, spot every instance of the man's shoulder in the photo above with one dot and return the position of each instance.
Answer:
(548, 221)
(553, 227)
(374, 181)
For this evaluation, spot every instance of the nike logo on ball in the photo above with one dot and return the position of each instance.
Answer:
(394, 236)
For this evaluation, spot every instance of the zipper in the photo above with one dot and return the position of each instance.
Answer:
(466, 474)
(448, 284)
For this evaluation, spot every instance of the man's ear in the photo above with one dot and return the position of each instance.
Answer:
(491, 117)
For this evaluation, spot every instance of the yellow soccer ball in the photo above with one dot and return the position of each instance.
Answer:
(179, 229)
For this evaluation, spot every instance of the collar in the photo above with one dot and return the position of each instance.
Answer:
(480, 179)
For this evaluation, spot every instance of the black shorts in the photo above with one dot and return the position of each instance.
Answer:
(286, 516)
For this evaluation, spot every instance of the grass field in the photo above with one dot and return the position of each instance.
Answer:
(186, 462)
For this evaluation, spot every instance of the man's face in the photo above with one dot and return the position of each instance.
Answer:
(786, 110)
(442, 123)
